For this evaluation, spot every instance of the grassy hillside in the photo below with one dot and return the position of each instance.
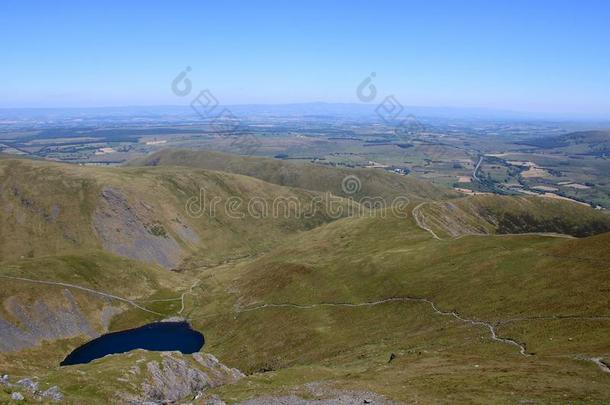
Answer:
(373, 182)
(522, 285)
(373, 303)
(585, 142)
(488, 214)
(165, 215)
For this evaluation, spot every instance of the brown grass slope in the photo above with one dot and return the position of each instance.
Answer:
(492, 214)
(550, 294)
(50, 208)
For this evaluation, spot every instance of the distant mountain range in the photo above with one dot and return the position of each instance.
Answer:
(353, 110)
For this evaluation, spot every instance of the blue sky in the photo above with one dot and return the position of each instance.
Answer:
(547, 56)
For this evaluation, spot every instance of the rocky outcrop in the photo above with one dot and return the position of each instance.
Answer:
(177, 377)
(42, 321)
(173, 379)
(28, 384)
(30, 387)
(221, 374)
(52, 394)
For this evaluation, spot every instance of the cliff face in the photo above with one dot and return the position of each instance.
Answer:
(130, 230)
(176, 377)
(29, 324)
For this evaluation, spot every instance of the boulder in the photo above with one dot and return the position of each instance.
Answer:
(4, 380)
(28, 384)
(53, 394)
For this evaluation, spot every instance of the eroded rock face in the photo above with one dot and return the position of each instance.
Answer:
(220, 372)
(179, 377)
(132, 231)
(42, 321)
(173, 379)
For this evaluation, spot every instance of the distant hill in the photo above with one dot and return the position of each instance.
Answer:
(373, 182)
(335, 110)
(153, 214)
(590, 142)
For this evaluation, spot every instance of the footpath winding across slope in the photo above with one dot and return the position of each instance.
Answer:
(89, 290)
(492, 329)
(420, 220)
(488, 325)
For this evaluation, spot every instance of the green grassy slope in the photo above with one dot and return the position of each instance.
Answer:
(329, 300)
(499, 280)
(374, 183)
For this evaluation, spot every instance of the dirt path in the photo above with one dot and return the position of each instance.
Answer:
(111, 296)
(189, 292)
(546, 234)
(89, 290)
(488, 325)
(420, 220)
(554, 318)
(180, 298)
(600, 363)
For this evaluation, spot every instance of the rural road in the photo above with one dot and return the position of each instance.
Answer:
(474, 173)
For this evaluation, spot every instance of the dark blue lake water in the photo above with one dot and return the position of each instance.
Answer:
(159, 336)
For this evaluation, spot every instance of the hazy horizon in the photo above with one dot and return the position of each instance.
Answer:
(552, 59)
(319, 107)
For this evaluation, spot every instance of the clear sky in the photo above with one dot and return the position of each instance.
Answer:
(547, 56)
